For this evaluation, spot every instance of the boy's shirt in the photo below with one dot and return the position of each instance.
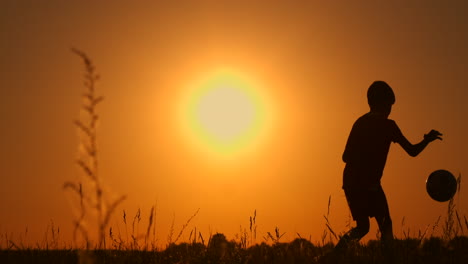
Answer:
(366, 151)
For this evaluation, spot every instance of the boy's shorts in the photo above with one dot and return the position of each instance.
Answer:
(367, 203)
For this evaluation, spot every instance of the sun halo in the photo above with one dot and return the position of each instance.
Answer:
(224, 114)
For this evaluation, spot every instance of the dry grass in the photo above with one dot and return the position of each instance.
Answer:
(92, 198)
(137, 248)
(182, 229)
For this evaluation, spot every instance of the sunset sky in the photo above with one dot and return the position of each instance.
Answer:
(295, 73)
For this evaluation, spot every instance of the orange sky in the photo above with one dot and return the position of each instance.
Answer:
(312, 62)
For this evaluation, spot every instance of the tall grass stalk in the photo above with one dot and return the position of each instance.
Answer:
(435, 226)
(253, 228)
(150, 225)
(452, 228)
(94, 198)
(276, 237)
(135, 237)
(126, 228)
(185, 225)
(330, 232)
(171, 231)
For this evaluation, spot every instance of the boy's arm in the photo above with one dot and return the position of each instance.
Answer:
(414, 150)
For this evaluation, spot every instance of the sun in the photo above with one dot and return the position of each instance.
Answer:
(225, 112)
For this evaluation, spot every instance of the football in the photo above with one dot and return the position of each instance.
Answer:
(441, 185)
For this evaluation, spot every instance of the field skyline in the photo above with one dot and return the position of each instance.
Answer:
(307, 66)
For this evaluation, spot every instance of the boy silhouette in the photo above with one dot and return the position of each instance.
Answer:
(365, 156)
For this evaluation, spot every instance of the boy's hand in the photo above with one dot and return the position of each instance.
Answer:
(433, 135)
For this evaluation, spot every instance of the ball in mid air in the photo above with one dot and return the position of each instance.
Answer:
(441, 185)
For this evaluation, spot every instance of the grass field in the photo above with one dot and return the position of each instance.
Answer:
(219, 250)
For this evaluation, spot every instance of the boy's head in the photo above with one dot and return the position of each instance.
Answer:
(380, 97)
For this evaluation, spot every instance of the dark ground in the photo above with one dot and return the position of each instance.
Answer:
(433, 250)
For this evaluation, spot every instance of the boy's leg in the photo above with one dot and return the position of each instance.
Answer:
(355, 234)
(383, 217)
(386, 230)
(385, 227)
(357, 202)
(361, 229)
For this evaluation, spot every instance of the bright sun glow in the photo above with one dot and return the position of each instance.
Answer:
(224, 113)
